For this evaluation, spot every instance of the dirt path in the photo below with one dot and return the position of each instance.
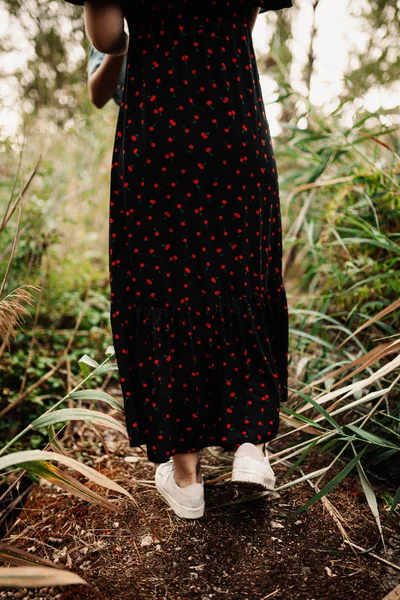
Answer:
(248, 550)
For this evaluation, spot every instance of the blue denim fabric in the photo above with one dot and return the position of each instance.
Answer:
(95, 59)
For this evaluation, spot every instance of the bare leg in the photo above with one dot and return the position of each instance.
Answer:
(187, 468)
(261, 448)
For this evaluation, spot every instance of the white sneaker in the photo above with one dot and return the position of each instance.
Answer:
(250, 465)
(187, 502)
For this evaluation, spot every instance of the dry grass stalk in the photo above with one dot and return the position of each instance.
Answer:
(13, 310)
(348, 390)
(383, 313)
(365, 361)
(16, 556)
(10, 210)
(31, 348)
(56, 367)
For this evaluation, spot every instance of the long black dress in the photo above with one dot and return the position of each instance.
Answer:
(199, 312)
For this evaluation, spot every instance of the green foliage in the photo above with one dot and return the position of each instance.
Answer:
(343, 268)
(63, 248)
(379, 63)
(52, 78)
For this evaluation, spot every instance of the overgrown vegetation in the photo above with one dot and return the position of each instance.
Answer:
(341, 216)
(343, 244)
(60, 247)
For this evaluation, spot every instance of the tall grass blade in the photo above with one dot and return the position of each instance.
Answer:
(370, 496)
(358, 385)
(37, 577)
(55, 443)
(395, 503)
(333, 483)
(321, 410)
(383, 313)
(105, 369)
(55, 476)
(97, 395)
(365, 361)
(16, 556)
(301, 457)
(16, 459)
(79, 414)
(371, 438)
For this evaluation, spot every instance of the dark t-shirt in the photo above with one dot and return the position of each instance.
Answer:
(96, 57)
(264, 5)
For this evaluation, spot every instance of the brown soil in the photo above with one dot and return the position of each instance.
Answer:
(254, 549)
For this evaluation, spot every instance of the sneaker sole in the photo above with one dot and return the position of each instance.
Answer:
(241, 476)
(181, 511)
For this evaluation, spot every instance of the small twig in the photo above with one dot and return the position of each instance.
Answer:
(10, 507)
(137, 550)
(386, 562)
(14, 537)
(271, 594)
(10, 211)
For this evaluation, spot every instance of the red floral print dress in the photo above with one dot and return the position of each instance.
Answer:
(198, 306)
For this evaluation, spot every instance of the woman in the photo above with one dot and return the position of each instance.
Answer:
(198, 307)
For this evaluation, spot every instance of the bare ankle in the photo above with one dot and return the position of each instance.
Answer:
(262, 447)
(187, 474)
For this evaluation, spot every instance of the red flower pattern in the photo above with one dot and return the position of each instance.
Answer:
(198, 307)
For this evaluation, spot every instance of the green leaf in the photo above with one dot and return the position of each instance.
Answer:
(55, 442)
(105, 368)
(96, 395)
(323, 412)
(79, 414)
(370, 496)
(85, 359)
(312, 338)
(382, 456)
(302, 457)
(302, 418)
(396, 501)
(370, 437)
(333, 483)
(86, 373)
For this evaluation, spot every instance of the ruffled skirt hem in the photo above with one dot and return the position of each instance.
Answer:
(201, 374)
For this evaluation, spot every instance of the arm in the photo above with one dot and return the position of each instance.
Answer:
(104, 23)
(253, 17)
(104, 81)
